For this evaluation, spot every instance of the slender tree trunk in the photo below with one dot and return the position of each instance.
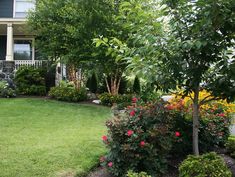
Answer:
(196, 121)
(107, 85)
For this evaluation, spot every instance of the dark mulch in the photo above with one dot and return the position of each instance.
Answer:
(172, 170)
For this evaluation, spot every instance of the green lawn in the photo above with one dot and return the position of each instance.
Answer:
(48, 138)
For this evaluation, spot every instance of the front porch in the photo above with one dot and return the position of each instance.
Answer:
(17, 47)
(17, 44)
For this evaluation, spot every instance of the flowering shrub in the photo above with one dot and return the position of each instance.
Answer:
(209, 164)
(139, 139)
(214, 123)
(219, 107)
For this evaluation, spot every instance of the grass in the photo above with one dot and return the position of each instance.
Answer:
(44, 138)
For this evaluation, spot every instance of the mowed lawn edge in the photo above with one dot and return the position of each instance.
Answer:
(42, 137)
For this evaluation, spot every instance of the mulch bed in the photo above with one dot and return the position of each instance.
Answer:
(172, 170)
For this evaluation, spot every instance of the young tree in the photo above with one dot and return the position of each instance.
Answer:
(194, 53)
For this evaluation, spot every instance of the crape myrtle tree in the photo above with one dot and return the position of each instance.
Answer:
(193, 53)
(137, 27)
(65, 29)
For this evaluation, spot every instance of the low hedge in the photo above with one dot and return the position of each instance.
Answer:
(69, 94)
(230, 146)
(108, 99)
(209, 164)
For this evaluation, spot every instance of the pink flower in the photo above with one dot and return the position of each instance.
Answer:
(102, 159)
(134, 100)
(170, 107)
(104, 138)
(142, 143)
(221, 115)
(132, 113)
(129, 132)
(177, 134)
(110, 164)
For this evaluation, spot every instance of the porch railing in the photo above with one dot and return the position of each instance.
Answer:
(29, 63)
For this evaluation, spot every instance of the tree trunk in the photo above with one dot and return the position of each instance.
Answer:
(107, 85)
(196, 121)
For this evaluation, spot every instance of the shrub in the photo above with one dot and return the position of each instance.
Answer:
(133, 174)
(92, 83)
(31, 81)
(7, 90)
(139, 139)
(214, 124)
(109, 99)
(136, 85)
(213, 132)
(67, 93)
(205, 165)
(230, 146)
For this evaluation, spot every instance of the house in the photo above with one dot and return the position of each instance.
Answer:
(16, 42)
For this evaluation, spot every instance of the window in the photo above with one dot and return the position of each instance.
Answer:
(23, 49)
(22, 7)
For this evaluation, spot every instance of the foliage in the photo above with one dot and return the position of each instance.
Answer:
(133, 174)
(191, 52)
(92, 83)
(136, 85)
(68, 93)
(139, 139)
(214, 131)
(214, 126)
(115, 66)
(214, 106)
(66, 28)
(50, 133)
(209, 164)
(6, 90)
(230, 146)
(31, 81)
(109, 99)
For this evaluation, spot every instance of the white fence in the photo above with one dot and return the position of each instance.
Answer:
(29, 63)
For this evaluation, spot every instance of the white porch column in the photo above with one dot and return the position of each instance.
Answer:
(9, 54)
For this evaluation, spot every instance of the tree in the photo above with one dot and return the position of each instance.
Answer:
(194, 53)
(65, 29)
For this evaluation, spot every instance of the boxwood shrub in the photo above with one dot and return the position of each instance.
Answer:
(108, 99)
(70, 94)
(209, 164)
(31, 81)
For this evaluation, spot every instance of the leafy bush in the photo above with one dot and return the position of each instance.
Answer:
(133, 174)
(109, 99)
(139, 139)
(7, 90)
(68, 93)
(205, 165)
(214, 124)
(92, 83)
(230, 146)
(31, 81)
(136, 85)
(214, 131)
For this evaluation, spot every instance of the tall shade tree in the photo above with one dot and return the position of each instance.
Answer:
(65, 28)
